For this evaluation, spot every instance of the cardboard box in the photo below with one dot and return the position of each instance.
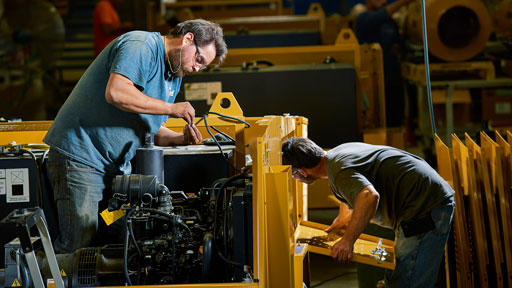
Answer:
(497, 106)
(461, 100)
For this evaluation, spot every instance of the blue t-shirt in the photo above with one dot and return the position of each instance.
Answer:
(377, 27)
(96, 133)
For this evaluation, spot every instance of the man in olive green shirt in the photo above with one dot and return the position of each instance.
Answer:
(390, 187)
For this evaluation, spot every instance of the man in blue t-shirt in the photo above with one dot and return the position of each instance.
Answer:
(127, 91)
(375, 25)
(391, 188)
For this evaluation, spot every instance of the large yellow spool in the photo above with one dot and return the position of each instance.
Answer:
(457, 30)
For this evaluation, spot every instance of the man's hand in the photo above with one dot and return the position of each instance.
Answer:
(167, 137)
(342, 250)
(191, 135)
(183, 110)
(339, 222)
(365, 206)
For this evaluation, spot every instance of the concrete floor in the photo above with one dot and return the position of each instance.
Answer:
(327, 273)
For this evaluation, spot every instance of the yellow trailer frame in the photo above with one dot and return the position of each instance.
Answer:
(279, 202)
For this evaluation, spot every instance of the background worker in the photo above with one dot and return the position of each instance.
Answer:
(375, 25)
(107, 24)
(126, 92)
(393, 188)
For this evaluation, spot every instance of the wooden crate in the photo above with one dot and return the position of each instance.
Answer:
(461, 100)
(443, 71)
(497, 106)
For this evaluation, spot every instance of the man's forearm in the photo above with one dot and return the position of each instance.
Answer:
(123, 94)
(364, 209)
(167, 137)
(344, 210)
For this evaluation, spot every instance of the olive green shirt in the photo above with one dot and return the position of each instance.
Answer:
(407, 185)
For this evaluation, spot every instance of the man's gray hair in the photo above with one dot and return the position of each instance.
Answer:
(205, 32)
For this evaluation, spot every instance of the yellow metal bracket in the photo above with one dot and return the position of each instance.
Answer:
(226, 104)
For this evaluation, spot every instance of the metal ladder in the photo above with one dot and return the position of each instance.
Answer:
(25, 219)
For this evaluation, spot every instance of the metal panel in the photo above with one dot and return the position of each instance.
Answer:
(323, 93)
(21, 174)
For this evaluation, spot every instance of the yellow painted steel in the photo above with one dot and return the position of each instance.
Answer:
(269, 23)
(28, 132)
(279, 202)
(200, 285)
(281, 225)
(449, 168)
(301, 256)
(181, 4)
(314, 20)
(443, 14)
(367, 61)
(221, 8)
(321, 242)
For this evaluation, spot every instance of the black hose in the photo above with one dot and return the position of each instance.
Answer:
(139, 262)
(222, 187)
(130, 227)
(39, 194)
(24, 270)
(247, 125)
(173, 218)
(126, 242)
(218, 144)
(223, 134)
(229, 261)
(225, 205)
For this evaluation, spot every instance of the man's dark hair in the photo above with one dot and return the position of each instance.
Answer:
(301, 152)
(205, 32)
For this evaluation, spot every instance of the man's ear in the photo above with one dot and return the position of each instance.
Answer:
(302, 172)
(188, 37)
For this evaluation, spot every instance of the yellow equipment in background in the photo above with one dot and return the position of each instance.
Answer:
(367, 61)
(446, 39)
(502, 22)
(281, 234)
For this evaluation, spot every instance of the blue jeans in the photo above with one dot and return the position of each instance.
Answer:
(78, 189)
(418, 257)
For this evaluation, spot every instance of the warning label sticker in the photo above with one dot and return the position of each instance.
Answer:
(17, 185)
(202, 91)
(15, 283)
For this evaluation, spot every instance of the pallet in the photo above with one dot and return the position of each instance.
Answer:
(455, 70)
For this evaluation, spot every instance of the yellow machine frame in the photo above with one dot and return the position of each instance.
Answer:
(279, 202)
(367, 61)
